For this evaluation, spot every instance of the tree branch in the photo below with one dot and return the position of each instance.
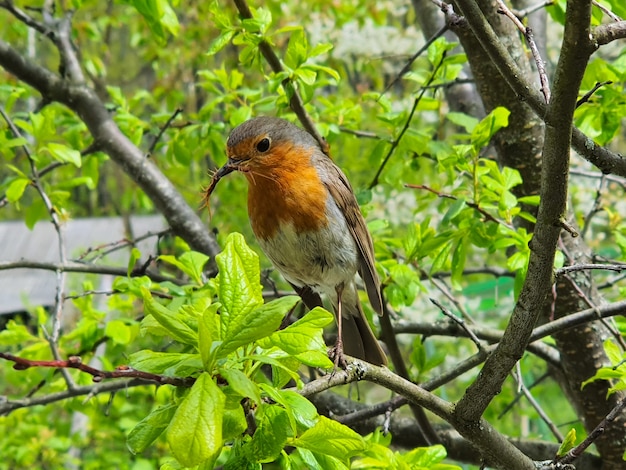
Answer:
(86, 104)
(554, 177)
(604, 159)
(74, 267)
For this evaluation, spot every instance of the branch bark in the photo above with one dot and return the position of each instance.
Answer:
(554, 178)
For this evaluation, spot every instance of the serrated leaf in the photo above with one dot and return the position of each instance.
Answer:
(255, 324)
(303, 336)
(331, 438)
(168, 319)
(195, 432)
(151, 427)
(239, 279)
(14, 333)
(569, 442)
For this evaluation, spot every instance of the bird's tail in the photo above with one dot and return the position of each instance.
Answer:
(358, 338)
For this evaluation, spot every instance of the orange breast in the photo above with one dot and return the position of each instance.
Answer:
(285, 188)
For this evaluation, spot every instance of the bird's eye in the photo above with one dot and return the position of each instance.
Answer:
(263, 145)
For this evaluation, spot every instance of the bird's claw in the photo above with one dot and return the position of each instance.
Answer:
(338, 357)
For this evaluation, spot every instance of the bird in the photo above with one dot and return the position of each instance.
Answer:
(307, 221)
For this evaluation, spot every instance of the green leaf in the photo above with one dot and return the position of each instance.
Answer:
(239, 279)
(208, 334)
(302, 410)
(455, 209)
(270, 436)
(220, 42)
(168, 319)
(148, 429)
(303, 336)
(195, 432)
(16, 189)
(458, 262)
(462, 120)
(490, 124)
(568, 443)
(190, 262)
(159, 362)
(296, 53)
(426, 457)
(331, 438)
(241, 384)
(255, 324)
(64, 154)
(14, 333)
(159, 15)
(118, 331)
(135, 254)
(613, 352)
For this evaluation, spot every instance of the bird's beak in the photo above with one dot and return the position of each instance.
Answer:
(228, 167)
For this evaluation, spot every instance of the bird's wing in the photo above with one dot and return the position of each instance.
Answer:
(344, 198)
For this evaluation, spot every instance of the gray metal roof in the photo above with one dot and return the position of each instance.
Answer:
(23, 288)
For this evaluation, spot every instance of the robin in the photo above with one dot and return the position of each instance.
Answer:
(304, 214)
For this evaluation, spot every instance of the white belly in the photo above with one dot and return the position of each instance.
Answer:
(320, 259)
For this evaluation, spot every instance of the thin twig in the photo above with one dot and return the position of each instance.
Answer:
(593, 435)
(108, 248)
(57, 312)
(75, 267)
(530, 39)
(396, 141)
(587, 267)
(519, 396)
(471, 204)
(75, 362)
(535, 404)
(458, 321)
(445, 290)
(163, 129)
(596, 174)
(364, 134)
(569, 228)
(414, 57)
(533, 8)
(595, 208)
(616, 334)
(606, 11)
(589, 94)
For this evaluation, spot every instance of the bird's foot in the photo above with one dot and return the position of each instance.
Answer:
(337, 356)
